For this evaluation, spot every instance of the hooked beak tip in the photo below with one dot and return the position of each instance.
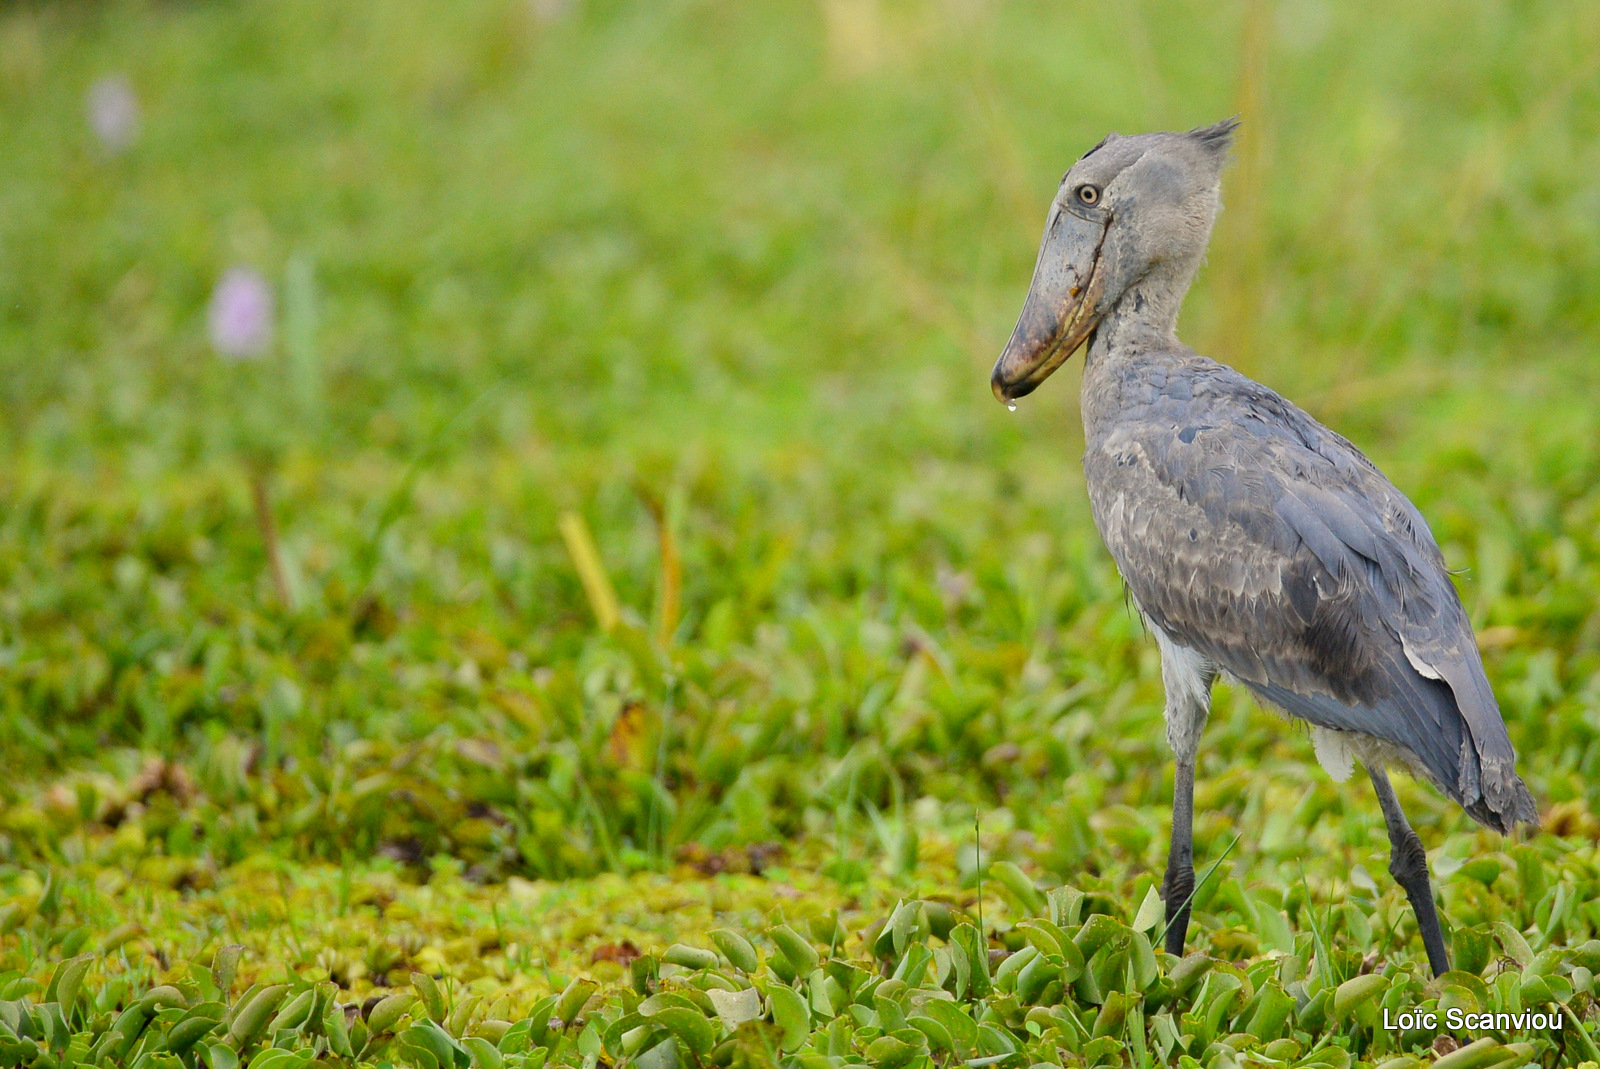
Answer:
(1046, 336)
(1006, 392)
(998, 385)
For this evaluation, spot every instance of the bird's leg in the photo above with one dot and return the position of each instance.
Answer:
(1178, 884)
(1186, 676)
(1408, 864)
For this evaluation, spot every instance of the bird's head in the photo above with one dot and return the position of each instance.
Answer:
(1129, 223)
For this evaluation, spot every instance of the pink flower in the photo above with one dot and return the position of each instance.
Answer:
(241, 314)
(114, 112)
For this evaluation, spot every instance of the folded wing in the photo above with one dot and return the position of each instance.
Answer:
(1251, 533)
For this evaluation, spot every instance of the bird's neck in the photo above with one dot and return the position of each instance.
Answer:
(1140, 331)
(1146, 316)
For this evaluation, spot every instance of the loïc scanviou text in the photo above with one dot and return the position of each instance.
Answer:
(1456, 1019)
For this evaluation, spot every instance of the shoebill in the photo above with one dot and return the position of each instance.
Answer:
(1253, 540)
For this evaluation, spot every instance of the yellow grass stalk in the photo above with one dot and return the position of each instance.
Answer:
(586, 558)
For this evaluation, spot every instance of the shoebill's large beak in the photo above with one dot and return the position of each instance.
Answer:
(1062, 308)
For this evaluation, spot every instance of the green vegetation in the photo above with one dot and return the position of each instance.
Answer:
(651, 558)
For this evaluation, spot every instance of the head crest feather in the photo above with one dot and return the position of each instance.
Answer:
(1099, 145)
(1218, 136)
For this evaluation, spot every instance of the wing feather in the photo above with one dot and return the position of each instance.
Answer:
(1251, 533)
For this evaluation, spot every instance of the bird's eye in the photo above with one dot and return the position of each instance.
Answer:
(1089, 194)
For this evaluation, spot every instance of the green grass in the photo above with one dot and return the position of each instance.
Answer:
(724, 281)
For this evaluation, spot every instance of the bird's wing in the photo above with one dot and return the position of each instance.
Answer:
(1251, 533)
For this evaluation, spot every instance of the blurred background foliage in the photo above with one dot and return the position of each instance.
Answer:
(723, 282)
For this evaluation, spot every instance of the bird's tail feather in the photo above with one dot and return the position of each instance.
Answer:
(1505, 800)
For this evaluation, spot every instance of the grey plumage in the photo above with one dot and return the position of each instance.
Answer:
(1252, 534)
(1253, 539)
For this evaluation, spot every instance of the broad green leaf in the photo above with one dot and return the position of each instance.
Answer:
(251, 1017)
(1151, 911)
(219, 1056)
(795, 948)
(1357, 992)
(938, 1035)
(483, 1053)
(663, 1055)
(736, 1007)
(1470, 949)
(1513, 942)
(1021, 887)
(387, 1013)
(791, 1013)
(574, 999)
(427, 989)
(1483, 869)
(273, 1058)
(975, 955)
(962, 1028)
(737, 949)
(1096, 931)
(689, 957)
(890, 1052)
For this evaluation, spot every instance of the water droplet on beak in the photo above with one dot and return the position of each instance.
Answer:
(1011, 406)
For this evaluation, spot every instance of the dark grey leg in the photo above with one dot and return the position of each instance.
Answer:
(1408, 864)
(1186, 676)
(1178, 884)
